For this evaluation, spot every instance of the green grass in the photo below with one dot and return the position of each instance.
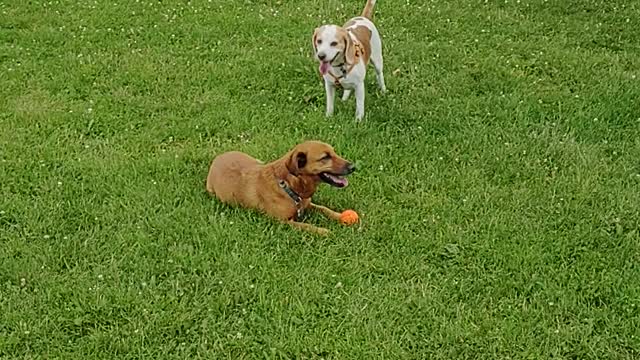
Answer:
(499, 186)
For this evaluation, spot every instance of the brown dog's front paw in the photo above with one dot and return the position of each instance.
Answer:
(309, 228)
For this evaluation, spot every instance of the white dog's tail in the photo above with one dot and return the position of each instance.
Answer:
(368, 9)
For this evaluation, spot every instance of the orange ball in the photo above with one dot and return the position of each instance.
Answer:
(349, 217)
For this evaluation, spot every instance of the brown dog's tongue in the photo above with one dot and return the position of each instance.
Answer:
(324, 67)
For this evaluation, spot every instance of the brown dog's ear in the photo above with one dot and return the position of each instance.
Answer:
(301, 160)
(297, 161)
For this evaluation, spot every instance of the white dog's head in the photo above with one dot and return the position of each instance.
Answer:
(331, 44)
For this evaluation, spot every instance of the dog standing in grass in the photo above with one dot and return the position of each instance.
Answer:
(344, 52)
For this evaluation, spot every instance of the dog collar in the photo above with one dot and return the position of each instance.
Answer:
(359, 51)
(293, 195)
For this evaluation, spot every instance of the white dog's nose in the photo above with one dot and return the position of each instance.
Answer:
(321, 56)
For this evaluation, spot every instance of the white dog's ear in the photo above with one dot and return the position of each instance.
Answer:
(349, 49)
(315, 39)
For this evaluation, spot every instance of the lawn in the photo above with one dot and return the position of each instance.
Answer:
(498, 187)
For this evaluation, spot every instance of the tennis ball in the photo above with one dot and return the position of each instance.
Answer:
(349, 217)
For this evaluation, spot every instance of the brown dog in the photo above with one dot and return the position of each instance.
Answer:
(283, 188)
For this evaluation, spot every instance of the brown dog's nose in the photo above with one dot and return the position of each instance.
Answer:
(350, 168)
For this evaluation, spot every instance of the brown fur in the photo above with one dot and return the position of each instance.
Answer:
(238, 179)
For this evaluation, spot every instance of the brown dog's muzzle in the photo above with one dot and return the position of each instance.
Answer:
(349, 168)
(336, 177)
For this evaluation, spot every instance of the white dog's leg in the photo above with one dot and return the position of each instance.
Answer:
(376, 57)
(360, 101)
(379, 75)
(331, 96)
(377, 65)
(346, 94)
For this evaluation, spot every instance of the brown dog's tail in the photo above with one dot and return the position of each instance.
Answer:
(368, 9)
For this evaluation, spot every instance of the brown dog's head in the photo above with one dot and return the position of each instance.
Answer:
(320, 162)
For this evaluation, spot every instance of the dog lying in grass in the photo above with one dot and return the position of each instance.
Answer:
(344, 52)
(283, 188)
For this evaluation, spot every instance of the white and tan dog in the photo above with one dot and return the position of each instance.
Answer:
(344, 53)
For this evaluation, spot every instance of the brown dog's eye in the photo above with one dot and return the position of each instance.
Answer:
(326, 157)
(334, 43)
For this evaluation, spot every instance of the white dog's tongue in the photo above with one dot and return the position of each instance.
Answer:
(324, 67)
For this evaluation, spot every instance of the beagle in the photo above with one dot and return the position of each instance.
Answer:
(344, 52)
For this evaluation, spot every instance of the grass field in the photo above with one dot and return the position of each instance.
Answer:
(499, 182)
